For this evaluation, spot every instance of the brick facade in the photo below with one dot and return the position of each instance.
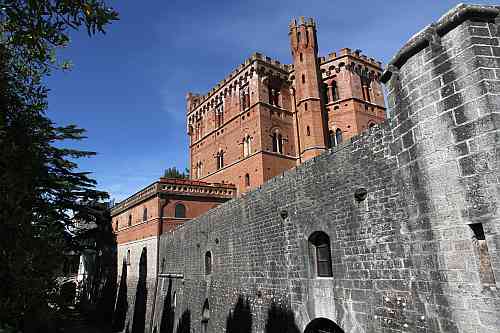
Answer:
(267, 117)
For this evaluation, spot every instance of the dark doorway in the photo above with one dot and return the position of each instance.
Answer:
(322, 325)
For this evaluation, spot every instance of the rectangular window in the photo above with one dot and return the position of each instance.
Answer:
(323, 260)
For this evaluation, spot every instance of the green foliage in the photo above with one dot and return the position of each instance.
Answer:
(173, 172)
(41, 189)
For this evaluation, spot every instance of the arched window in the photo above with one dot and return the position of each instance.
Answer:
(180, 210)
(335, 91)
(205, 317)
(331, 138)
(220, 159)
(127, 259)
(208, 263)
(145, 214)
(247, 180)
(319, 250)
(130, 220)
(370, 125)
(247, 146)
(277, 142)
(338, 136)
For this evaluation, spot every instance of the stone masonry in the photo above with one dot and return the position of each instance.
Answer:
(396, 230)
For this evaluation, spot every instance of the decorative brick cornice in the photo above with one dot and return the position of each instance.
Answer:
(171, 186)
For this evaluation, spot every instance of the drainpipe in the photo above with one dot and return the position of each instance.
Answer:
(162, 202)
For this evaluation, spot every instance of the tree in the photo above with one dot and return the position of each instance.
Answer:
(174, 173)
(41, 189)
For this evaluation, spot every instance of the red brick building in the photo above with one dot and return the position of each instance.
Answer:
(267, 117)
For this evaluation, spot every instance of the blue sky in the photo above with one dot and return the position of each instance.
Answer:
(128, 87)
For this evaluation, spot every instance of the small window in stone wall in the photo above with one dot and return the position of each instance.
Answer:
(205, 317)
(247, 180)
(486, 275)
(319, 251)
(127, 259)
(180, 210)
(145, 214)
(130, 220)
(208, 263)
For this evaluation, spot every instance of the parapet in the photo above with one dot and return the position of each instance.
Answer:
(447, 22)
(199, 99)
(348, 52)
(309, 22)
(176, 186)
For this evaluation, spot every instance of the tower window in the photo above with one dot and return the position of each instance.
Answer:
(338, 136)
(127, 259)
(208, 263)
(277, 142)
(145, 214)
(305, 106)
(320, 255)
(308, 131)
(301, 57)
(303, 78)
(220, 160)
(335, 91)
(130, 220)
(247, 146)
(247, 180)
(180, 210)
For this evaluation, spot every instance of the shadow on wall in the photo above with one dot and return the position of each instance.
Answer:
(184, 325)
(139, 322)
(280, 319)
(168, 313)
(121, 308)
(240, 318)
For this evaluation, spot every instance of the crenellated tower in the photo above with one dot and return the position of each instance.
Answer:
(311, 127)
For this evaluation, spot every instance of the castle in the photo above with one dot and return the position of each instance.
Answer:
(394, 229)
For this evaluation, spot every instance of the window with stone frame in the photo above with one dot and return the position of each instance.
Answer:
(130, 220)
(247, 180)
(247, 146)
(320, 254)
(180, 211)
(277, 139)
(220, 159)
(145, 214)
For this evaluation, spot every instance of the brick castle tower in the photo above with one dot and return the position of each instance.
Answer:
(267, 117)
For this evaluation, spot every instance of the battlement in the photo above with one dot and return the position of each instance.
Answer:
(178, 187)
(309, 22)
(348, 52)
(197, 99)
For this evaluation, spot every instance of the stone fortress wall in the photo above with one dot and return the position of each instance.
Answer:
(408, 213)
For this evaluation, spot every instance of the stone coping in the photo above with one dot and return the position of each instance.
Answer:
(441, 27)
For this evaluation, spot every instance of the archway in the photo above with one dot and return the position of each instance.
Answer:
(322, 325)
